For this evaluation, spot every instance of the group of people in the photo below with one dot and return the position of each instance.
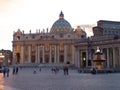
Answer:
(56, 69)
(6, 71)
(15, 70)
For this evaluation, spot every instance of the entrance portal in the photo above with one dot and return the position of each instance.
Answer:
(61, 59)
(83, 59)
(18, 57)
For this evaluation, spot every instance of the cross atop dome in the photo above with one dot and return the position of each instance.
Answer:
(61, 15)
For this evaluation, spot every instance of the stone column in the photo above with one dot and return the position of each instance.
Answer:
(58, 54)
(50, 60)
(43, 54)
(73, 54)
(114, 59)
(65, 54)
(38, 54)
(55, 55)
(108, 59)
(36, 59)
(14, 56)
(29, 54)
(119, 56)
(77, 58)
(87, 58)
(22, 54)
(13, 62)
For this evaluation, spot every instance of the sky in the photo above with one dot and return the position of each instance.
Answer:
(41, 14)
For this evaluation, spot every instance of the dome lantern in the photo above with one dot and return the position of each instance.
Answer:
(61, 15)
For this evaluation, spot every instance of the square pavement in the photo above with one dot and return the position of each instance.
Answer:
(46, 80)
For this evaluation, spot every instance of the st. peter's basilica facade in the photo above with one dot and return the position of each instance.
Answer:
(54, 46)
(63, 44)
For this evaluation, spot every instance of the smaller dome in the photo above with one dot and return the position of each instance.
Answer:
(61, 25)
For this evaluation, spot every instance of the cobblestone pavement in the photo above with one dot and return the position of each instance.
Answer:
(46, 80)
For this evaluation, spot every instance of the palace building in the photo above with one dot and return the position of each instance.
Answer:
(63, 44)
(53, 46)
(107, 38)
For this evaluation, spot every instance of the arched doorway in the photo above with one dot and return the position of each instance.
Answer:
(61, 58)
(46, 59)
(53, 60)
(83, 58)
(33, 59)
(17, 57)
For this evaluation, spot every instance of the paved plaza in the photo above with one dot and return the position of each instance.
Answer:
(46, 80)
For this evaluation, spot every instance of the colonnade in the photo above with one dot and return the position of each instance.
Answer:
(112, 56)
(41, 51)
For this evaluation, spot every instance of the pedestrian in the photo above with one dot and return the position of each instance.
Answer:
(40, 69)
(7, 71)
(34, 72)
(4, 71)
(65, 69)
(93, 71)
(14, 70)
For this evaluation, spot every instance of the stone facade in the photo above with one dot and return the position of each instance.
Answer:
(108, 43)
(53, 46)
(63, 44)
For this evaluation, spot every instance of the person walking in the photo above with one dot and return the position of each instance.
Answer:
(4, 71)
(65, 69)
(7, 71)
(16, 71)
(13, 70)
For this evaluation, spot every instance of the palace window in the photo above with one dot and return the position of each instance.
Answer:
(41, 37)
(18, 37)
(26, 37)
(52, 36)
(33, 37)
(61, 35)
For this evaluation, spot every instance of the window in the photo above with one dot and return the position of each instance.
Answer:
(18, 37)
(41, 37)
(61, 35)
(52, 36)
(33, 37)
(68, 36)
(26, 37)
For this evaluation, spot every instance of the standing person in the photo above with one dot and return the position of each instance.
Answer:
(65, 69)
(16, 71)
(7, 71)
(13, 70)
(4, 71)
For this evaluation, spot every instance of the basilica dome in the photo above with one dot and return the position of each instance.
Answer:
(61, 25)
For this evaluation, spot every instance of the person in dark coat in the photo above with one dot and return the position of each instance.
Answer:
(7, 71)
(65, 69)
(4, 71)
(13, 70)
(16, 71)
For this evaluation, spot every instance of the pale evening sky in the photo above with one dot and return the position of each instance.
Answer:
(41, 14)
